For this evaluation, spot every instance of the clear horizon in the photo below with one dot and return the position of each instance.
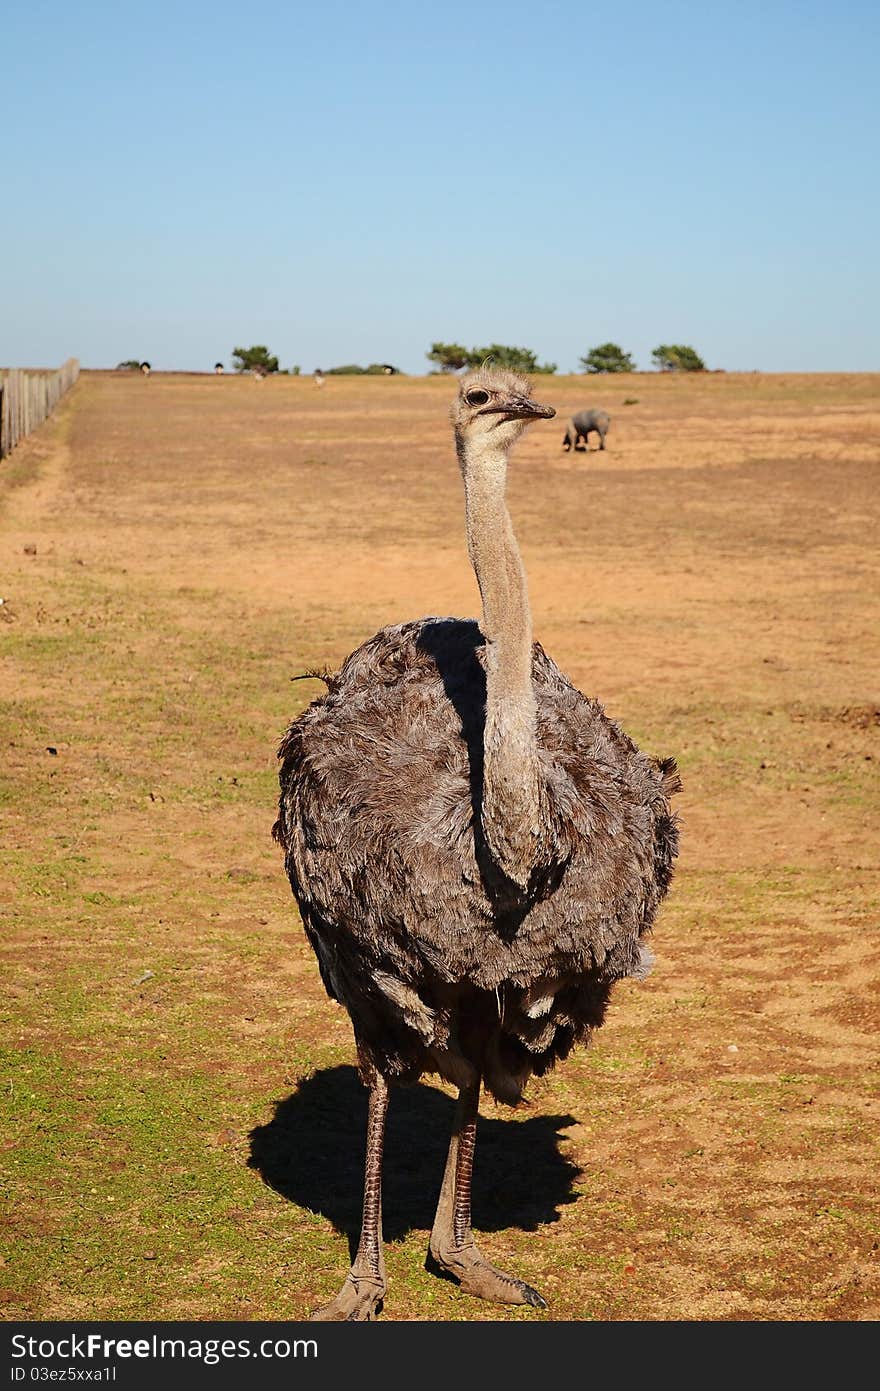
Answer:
(348, 185)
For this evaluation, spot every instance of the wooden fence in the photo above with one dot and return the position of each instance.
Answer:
(27, 398)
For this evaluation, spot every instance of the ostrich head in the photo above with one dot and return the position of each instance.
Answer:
(494, 406)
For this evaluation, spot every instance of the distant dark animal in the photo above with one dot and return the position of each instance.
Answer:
(476, 850)
(582, 425)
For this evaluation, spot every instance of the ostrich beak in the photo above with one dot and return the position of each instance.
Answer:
(520, 407)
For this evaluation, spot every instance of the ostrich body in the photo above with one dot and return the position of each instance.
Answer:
(476, 850)
(582, 425)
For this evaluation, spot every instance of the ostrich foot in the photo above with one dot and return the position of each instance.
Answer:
(357, 1302)
(476, 1276)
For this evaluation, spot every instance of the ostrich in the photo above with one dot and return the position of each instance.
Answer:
(476, 850)
(582, 424)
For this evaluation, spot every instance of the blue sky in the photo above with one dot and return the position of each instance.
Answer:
(349, 182)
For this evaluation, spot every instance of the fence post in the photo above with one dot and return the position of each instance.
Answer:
(27, 398)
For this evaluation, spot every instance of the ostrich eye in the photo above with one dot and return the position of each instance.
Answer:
(477, 398)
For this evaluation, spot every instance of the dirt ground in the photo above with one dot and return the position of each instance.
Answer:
(183, 1129)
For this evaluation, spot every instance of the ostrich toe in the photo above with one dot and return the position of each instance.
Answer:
(359, 1300)
(476, 1276)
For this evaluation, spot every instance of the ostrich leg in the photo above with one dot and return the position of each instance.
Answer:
(452, 1243)
(365, 1283)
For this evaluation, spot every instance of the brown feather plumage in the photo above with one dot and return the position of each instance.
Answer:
(439, 962)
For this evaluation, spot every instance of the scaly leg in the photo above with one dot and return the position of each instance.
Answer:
(365, 1284)
(452, 1243)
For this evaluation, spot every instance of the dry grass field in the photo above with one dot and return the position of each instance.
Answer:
(182, 1129)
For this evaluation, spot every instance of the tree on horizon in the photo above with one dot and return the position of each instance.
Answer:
(449, 357)
(254, 359)
(452, 357)
(607, 357)
(677, 357)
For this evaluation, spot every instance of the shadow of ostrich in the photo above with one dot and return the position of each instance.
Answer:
(304, 1153)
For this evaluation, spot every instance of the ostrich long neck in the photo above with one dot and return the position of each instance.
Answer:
(512, 802)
